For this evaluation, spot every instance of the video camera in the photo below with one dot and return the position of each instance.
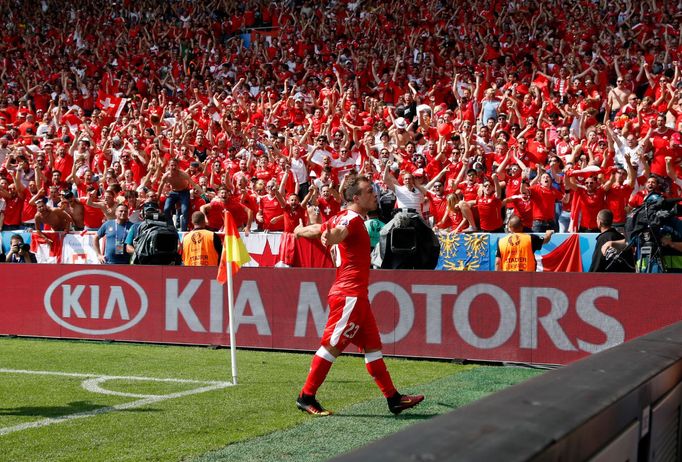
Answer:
(657, 215)
(407, 242)
(152, 212)
(646, 225)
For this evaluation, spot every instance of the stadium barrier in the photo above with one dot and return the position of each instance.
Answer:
(542, 318)
(619, 405)
(459, 252)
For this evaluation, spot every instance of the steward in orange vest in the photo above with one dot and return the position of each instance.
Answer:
(516, 252)
(201, 247)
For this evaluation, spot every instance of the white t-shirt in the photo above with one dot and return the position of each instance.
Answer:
(635, 154)
(408, 199)
(300, 171)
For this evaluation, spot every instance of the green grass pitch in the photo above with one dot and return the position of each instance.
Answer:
(56, 405)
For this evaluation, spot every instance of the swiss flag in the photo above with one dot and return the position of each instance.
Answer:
(72, 121)
(112, 105)
(45, 251)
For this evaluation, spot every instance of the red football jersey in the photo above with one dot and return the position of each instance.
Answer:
(351, 256)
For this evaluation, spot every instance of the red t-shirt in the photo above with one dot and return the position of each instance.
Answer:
(28, 211)
(351, 256)
(524, 210)
(543, 200)
(328, 207)
(236, 208)
(292, 218)
(512, 188)
(490, 213)
(214, 214)
(469, 191)
(438, 206)
(270, 208)
(92, 216)
(616, 201)
(590, 205)
(13, 207)
(63, 164)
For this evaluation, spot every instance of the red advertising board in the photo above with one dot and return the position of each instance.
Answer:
(519, 317)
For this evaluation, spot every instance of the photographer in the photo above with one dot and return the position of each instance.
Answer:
(20, 252)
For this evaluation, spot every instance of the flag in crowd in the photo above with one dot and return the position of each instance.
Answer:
(112, 105)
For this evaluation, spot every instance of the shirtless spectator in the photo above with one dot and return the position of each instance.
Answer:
(51, 219)
(617, 98)
(180, 183)
(76, 210)
(107, 206)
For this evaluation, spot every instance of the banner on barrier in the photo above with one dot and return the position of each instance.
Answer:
(534, 317)
(459, 252)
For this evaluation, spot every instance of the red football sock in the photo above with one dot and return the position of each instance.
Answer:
(319, 368)
(377, 369)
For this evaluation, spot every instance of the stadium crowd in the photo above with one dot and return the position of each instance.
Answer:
(467, 112)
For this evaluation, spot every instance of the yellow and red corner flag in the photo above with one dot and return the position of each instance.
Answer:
(234, 250)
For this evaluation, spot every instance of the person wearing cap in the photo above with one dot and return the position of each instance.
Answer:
(399, 132)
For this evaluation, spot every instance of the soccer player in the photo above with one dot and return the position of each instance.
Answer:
(350, 316)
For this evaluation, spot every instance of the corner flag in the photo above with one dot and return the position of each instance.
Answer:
(234, 255)
(234, 250)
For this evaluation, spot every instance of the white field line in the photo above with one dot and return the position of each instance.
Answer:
(93, 385)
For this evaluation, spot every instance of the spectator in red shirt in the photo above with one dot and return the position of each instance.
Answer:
(489, 206)
(544, 196)
(588, 200)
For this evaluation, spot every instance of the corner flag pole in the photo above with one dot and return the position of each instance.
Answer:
(234, 253)
(230, 315)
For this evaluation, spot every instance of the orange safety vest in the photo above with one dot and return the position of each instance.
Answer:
(198, 249)
(516, 253)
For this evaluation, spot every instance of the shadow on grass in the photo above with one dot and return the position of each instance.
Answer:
(52, 411)
(75, 407)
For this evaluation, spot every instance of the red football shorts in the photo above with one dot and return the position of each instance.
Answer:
(351, 321)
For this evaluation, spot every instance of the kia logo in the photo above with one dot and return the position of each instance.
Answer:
(96, 302)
